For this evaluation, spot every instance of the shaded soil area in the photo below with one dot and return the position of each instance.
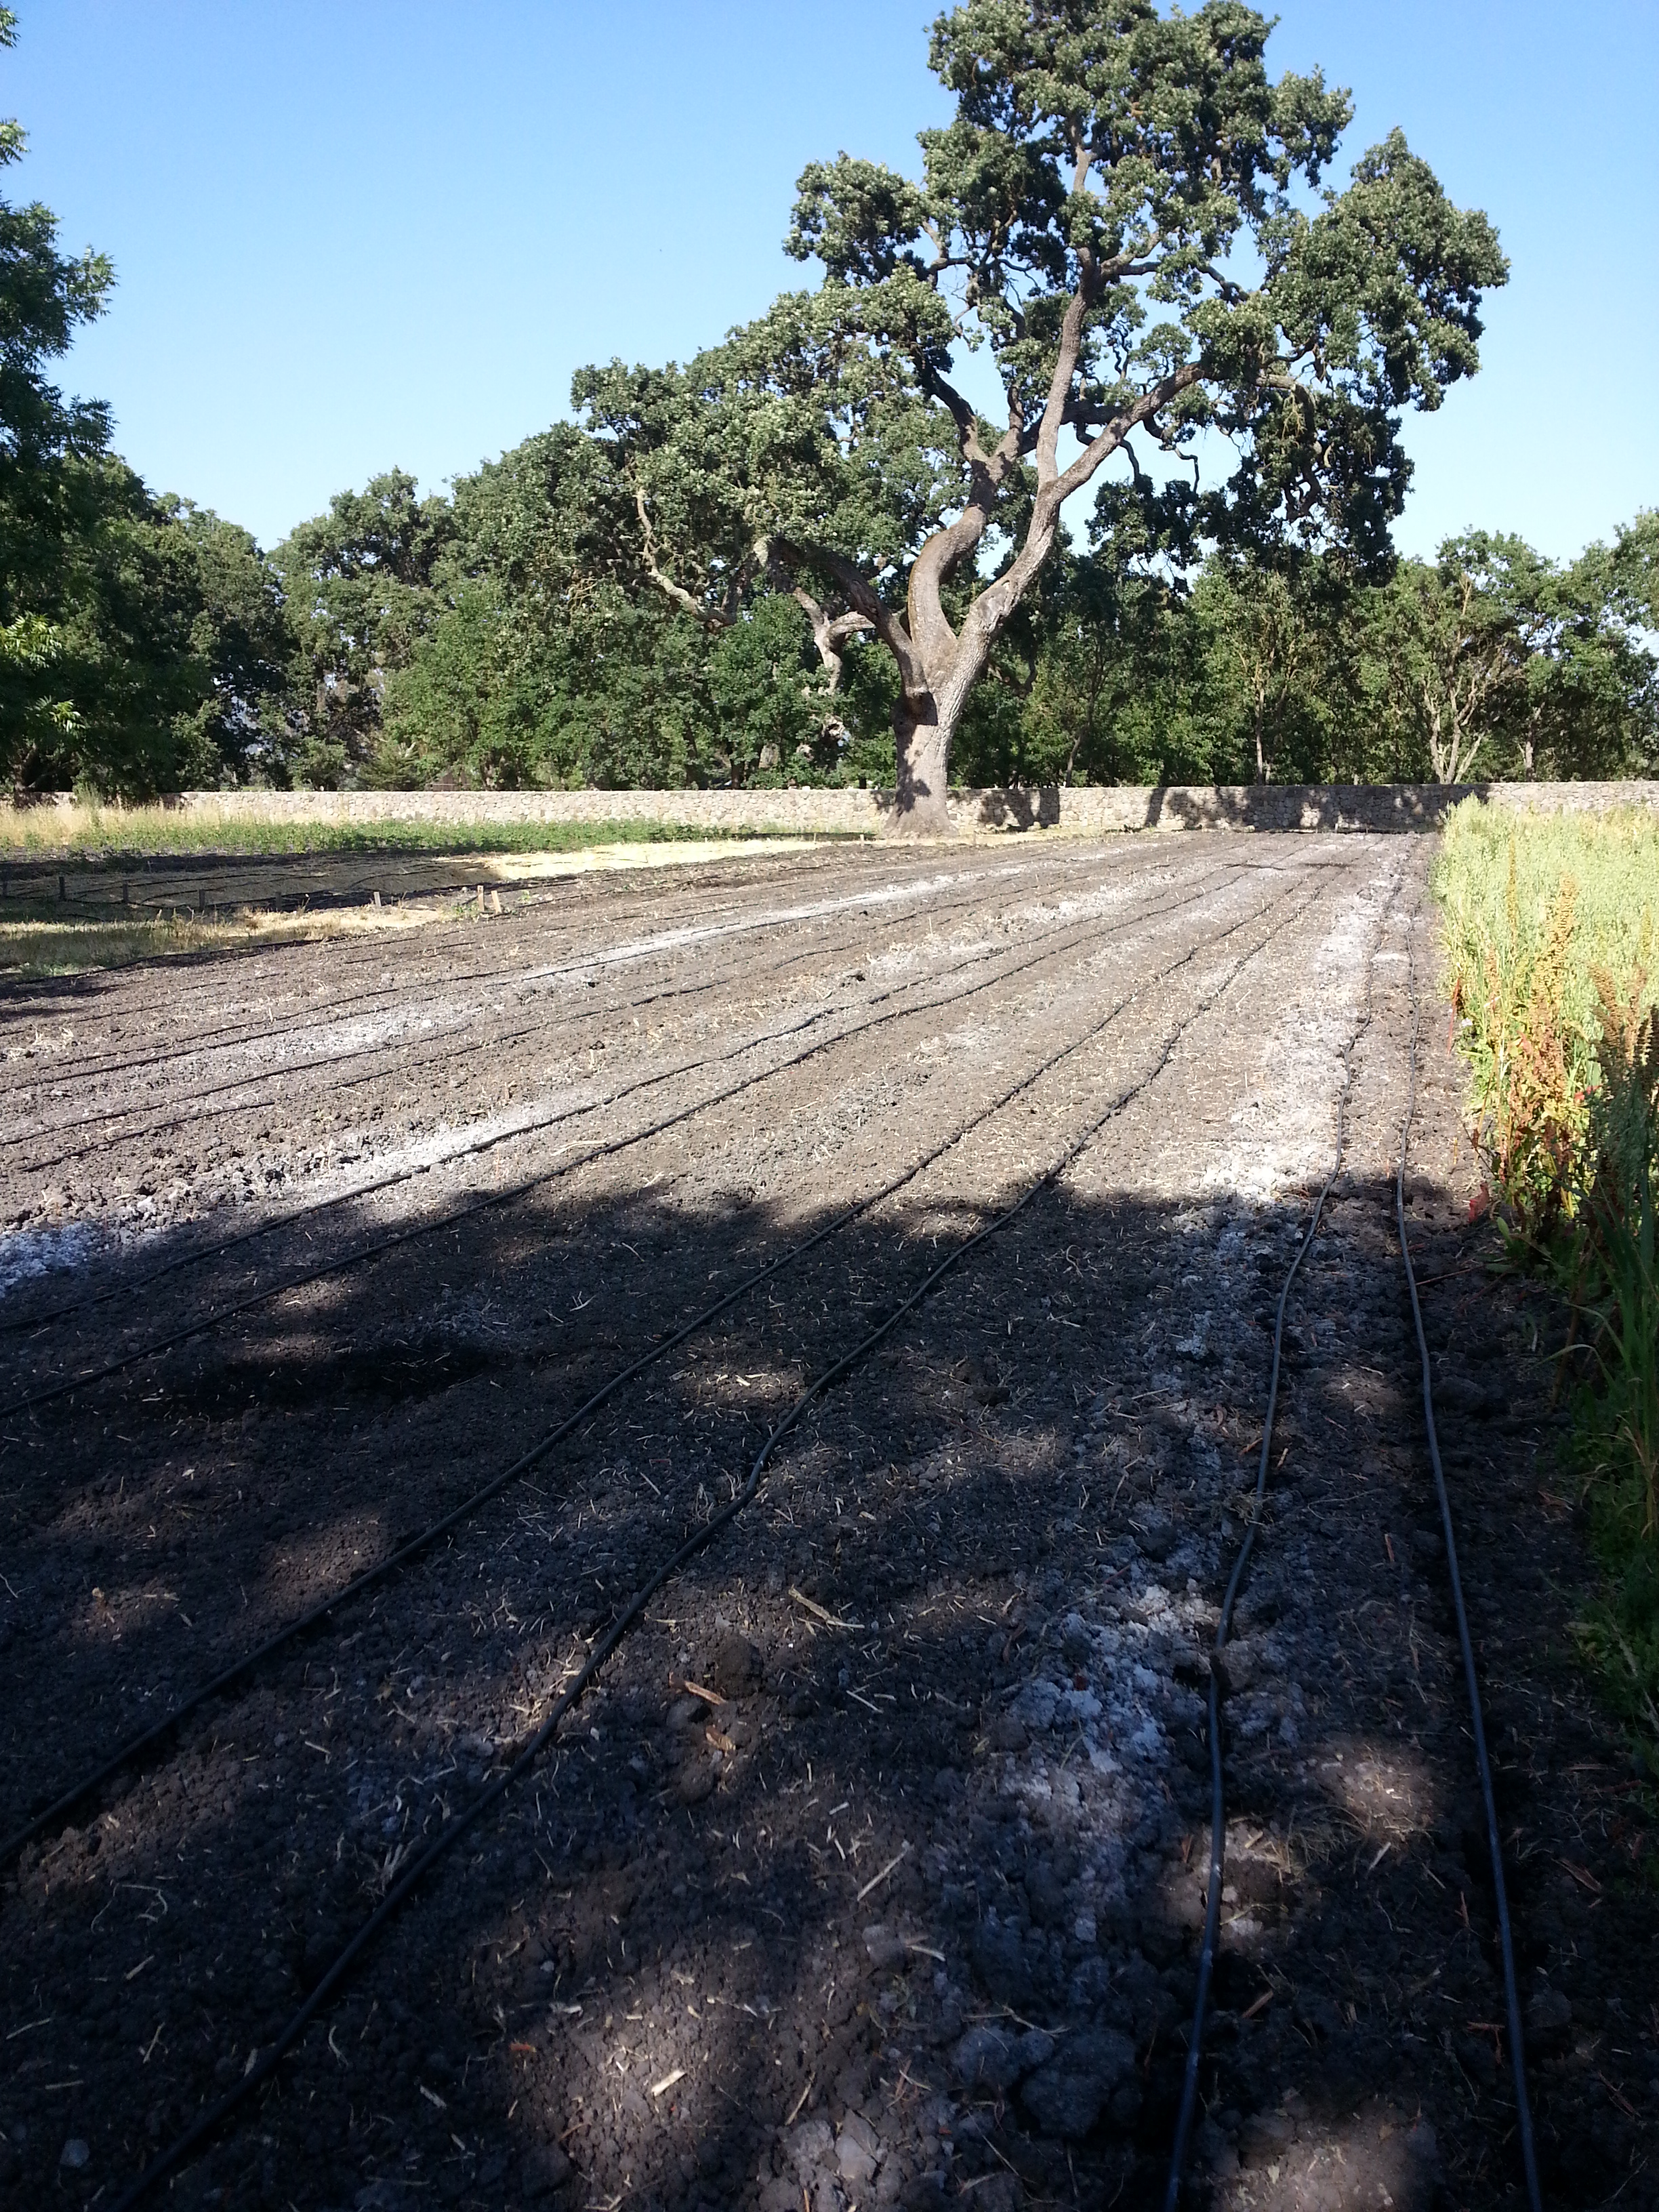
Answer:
(870, 1869)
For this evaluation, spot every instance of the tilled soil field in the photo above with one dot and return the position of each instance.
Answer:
(869, 1869)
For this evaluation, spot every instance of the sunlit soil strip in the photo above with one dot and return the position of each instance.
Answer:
(527, 867)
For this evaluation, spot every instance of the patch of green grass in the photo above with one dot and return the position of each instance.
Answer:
(48, 833)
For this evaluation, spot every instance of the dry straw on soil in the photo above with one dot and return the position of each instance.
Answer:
(70, 948)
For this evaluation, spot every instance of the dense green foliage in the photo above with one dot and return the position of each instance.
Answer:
(144, 642)
(706, 577)
(1126, 219)
(512, 639)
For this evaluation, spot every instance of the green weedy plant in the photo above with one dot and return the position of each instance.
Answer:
(1537, 1080)
(1551, 929)
(1615, 1281)
(1534, 909)
(1617, 1233)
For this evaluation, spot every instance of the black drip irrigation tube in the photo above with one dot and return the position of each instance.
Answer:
(230, 1677)
(1217, 1804)
(571, 968)
(263, 2064)
(1494, 1844)
(1218, 1829)
(69, 1310)
(466, 1031)
(238, 1669)
(468, 1208)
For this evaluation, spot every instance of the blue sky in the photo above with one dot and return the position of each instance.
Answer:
(351, 235)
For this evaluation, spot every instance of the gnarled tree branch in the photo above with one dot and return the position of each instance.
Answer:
(714, 619)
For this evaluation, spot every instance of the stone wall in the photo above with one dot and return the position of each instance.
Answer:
(1091, 811)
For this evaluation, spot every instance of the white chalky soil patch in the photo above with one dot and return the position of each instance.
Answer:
(1282, 1133)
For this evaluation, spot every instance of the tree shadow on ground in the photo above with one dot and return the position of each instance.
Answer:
(870, 1870)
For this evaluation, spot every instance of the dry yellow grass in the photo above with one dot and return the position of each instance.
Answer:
(418, 890)
(71, 948)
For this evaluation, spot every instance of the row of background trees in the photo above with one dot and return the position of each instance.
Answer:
(547, 622)
(501, 636)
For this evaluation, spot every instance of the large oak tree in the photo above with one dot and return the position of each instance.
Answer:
(1125, 218)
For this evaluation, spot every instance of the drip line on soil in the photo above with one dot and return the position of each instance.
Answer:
(1218, 1805)
(230, 1676)
(263, 2066)
(378, 1247)
(15, 1324)
(348, 963)
(279, 1222)
(229, 1034)
(462, 1029)
(1506, 1945)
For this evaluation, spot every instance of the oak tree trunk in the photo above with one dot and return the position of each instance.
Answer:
(922, 736)
(939, 665)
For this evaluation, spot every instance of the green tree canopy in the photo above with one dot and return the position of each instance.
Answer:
(808, 552)
(357, 584)
(1494, 659)
(45, 297)
(1125, 214)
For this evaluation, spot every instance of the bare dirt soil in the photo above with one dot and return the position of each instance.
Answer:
(870, 1869)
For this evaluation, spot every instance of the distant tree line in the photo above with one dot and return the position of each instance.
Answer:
(505, 636)
(601, 606)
